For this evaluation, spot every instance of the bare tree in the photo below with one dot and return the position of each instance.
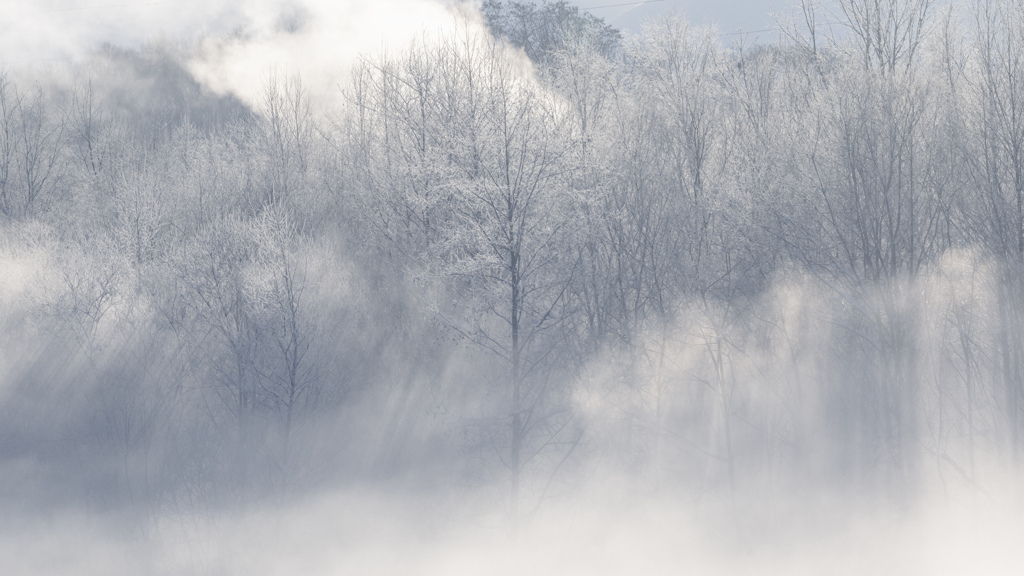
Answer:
(31, 148)
(888, 32)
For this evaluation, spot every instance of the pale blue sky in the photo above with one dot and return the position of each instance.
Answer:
(729, 15)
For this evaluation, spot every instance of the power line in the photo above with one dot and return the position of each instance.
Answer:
(737, 33)
(617, 5)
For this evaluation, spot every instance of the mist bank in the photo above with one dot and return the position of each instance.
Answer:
(369, 530)
(724, 294)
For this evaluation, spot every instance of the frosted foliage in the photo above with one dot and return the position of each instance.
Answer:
(418, 287)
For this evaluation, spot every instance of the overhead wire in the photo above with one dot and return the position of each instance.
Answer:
(617, 5)
(737, 33)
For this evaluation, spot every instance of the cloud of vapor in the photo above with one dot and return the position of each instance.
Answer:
(241, 43)
(26, 265)
(368, 531)
(33, 31)
(319, 41)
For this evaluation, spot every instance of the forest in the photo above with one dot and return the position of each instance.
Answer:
(524, 265)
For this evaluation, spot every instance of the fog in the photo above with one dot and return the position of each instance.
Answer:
(413, 287)
(236, 45)
(370, 531)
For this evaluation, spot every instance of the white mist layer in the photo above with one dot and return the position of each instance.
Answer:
(32, 31)
(243, 44)
(320, 42)
(374, 532)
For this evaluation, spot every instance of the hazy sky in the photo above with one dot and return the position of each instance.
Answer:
(317, 39)
(40, 29)
(728, 15)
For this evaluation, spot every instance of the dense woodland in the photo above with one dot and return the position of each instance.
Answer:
(522, 262)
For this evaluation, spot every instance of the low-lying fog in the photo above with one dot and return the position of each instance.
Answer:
(416, 287)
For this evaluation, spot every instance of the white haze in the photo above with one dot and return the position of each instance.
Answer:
(318, 41)
(373, 531)
(411, 529)
(241, 43)
(33, 31)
